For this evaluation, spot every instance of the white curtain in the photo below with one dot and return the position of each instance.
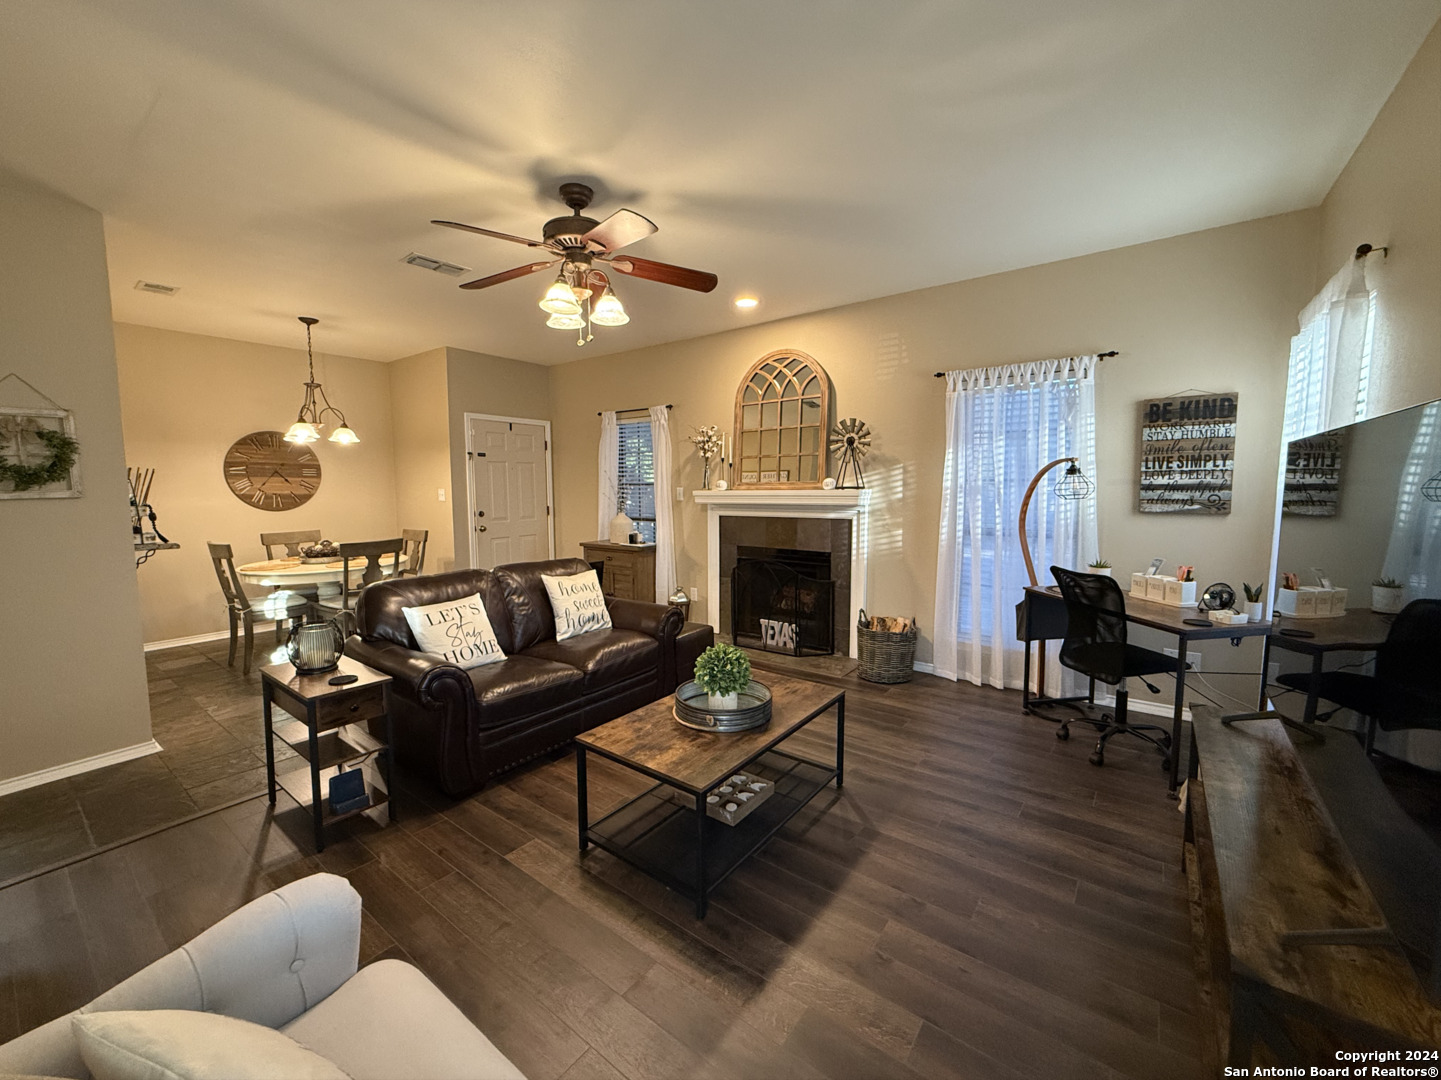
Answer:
(1002, 426)
(664, 508)
(609, 464)
(1328, 380)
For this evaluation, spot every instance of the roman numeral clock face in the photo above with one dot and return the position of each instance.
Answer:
(264, 471)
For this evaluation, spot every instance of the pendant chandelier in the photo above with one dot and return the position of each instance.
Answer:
(311, 419)
(571, 301)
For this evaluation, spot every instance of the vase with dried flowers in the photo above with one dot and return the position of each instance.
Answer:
(708, 444)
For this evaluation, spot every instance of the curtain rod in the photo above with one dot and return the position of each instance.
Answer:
(1099, 356)
(642, 408)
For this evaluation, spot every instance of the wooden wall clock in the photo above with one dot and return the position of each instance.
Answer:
(264, 471)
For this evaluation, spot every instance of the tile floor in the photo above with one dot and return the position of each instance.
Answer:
(207, 718)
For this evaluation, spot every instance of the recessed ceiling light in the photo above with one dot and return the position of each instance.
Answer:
(745, 303)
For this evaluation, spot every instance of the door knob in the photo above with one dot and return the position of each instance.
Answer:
(480, 528)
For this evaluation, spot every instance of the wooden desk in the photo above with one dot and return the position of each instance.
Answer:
(1044, 612)
(1260, 836)
(1356, 631)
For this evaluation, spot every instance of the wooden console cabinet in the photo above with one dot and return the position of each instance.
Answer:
(629, 568)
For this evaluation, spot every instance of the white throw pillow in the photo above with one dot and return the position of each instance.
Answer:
(578, 603)
(458, 630)
(174, 1044)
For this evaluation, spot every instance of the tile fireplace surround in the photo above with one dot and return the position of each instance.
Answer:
(848, 505)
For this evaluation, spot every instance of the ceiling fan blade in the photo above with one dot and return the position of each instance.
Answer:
(615, 232)
(489, 232)
(665, 273)
(509, 275)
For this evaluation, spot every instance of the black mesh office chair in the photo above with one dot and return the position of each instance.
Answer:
(1095, 645)
(1405, 691)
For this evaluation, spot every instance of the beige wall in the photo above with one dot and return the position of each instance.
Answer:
(185, 399)
(418, 405)
(1389, 195)
(494, 386)
(72, 682)
(1210, 311)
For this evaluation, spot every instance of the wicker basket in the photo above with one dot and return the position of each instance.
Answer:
(884, 657)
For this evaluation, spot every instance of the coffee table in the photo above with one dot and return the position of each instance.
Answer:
(666, 831)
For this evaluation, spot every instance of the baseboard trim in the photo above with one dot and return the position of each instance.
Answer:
(924, 669)
(198, 639)
(75, 768)
(1150, 708)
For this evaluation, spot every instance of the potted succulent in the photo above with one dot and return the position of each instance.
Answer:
(1099, 566)
(1386, 595)
(723, 671)
(1253, 600)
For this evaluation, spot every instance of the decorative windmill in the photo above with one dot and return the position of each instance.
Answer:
(851, 439)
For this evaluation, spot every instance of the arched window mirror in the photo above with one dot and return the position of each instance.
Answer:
(780, 432)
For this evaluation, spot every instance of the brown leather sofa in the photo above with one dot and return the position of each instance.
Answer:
(461, 727)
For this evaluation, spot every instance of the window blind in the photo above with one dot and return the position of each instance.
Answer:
(637, 476)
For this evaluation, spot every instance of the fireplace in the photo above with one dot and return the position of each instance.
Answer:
(817, 549)
(783, 600)
(832, 522)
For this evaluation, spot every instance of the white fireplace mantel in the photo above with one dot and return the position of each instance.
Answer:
(851, 504)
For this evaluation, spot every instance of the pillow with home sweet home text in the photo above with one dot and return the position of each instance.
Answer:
(578, 603)
(458, 630)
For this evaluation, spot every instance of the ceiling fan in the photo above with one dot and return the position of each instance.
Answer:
(582, 293)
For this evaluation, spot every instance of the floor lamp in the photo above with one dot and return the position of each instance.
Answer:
(1073, 484)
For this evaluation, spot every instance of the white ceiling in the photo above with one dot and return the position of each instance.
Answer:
(279, 157)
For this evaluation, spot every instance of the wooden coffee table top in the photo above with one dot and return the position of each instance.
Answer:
(653, 741)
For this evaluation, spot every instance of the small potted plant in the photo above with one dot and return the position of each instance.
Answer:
(1253, 600)
(1386, 595)
(1099, 566)
(723, 671)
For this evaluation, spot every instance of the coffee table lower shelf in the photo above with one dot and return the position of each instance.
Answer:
(657, 830)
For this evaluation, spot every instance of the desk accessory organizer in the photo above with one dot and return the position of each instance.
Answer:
(1311, 602)
(738, 797)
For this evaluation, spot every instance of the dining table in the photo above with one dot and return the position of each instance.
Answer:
(325, 574)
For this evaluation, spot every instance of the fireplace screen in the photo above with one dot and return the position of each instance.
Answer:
(777, 608)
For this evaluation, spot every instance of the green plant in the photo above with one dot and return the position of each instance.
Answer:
(1387, 583)
(62, 456)
(723, 669)
(1100, 564)
(1253, 592)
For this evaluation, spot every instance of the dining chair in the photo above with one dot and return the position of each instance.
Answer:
(291, 541)
(414, 541)
(371, 553)
(245, 609)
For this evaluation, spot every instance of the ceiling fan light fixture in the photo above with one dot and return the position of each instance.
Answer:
(560, 299)
(565, 322)
(609, 311)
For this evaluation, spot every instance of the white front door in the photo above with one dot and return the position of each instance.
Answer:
(509, 465)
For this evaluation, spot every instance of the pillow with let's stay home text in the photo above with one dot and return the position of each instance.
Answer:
(458, 630)
(578, 603)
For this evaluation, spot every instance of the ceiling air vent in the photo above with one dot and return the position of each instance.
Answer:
(440, 266)
(157, 288)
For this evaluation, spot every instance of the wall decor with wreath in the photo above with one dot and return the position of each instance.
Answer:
(38, 448)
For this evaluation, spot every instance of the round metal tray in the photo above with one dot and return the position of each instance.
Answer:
(752, 711)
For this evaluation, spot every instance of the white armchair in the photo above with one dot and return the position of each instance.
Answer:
(288, 960)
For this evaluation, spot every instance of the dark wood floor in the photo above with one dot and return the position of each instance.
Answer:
(206, 718)
(979, 901)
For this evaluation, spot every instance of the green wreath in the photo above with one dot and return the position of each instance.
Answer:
(62, 457)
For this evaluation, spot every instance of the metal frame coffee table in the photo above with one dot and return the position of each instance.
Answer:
(665, 831)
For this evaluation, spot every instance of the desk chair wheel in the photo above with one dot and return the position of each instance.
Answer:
(1063, 733)
(1166, 764)
(1098, 756)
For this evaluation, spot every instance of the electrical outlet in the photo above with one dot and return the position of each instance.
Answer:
(679, 493)
(440, 494)
(694, 593)
(1193, 658)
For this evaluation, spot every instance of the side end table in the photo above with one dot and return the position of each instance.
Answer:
(331, 729)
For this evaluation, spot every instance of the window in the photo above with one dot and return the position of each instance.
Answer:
(1330, 364)
(636, 468)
